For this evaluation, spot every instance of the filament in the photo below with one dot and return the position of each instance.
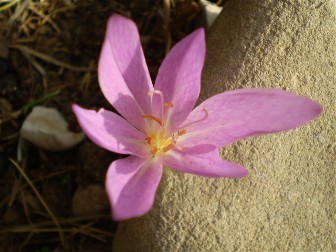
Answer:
(206, 115)
(151, 93)
(153, 118)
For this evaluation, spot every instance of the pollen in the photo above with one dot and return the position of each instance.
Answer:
(167, 148)
(168, 104)
(159, 140)
(149, 140)
(154, 151)
(181, 132)
(160, 143)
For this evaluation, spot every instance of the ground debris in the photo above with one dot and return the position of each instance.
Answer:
(52, 47)
(47, 129)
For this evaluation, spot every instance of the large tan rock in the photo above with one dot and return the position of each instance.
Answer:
(287, 203)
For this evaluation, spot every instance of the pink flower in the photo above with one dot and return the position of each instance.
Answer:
(159, 126)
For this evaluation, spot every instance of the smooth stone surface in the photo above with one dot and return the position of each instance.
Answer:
(287, 203)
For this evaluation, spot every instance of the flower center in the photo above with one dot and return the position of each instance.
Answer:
(158, 141)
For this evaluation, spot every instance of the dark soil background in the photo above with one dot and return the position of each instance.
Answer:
(55, 201)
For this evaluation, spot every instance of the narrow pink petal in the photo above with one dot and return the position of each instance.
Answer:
(111, 131)
(231, 116)
(131, 184)
(179, 77)
(200, 161)
(122, 71)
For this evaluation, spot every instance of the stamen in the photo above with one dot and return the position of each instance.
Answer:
(154, 150)
(167, 116)
(173, 139)
(157, 139)
(153, 118)
(149, 140)
(167, 148)
(206, 115)
(151, 93)
(154, 92)
(168, 104)
(181, 132)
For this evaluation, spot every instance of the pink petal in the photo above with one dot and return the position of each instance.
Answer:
(131, 184)
(179, 76)
(122, 71)
(111, 131)
(200, 161)
(232, 116)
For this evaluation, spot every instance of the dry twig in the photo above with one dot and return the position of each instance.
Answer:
(49, 59)
(39, 196)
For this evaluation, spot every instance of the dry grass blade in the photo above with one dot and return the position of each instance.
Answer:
(63, 230)
(100, 231)
(20, 187)
(35, 64)
(46, 18)
(70, 221)
(14, 191)
(167, 7)
(18, 11)
(26, 241)
(39, 196)
(10, 4)
(44, 227)
(83, 229)
(49, 59)
(25, 206)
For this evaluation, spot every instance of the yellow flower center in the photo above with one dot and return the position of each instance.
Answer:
(157, 139)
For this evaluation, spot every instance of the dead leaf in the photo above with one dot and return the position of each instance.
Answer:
(211, 12)
(47, 129)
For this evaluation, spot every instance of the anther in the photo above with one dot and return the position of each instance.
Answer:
(174, 141)
(181, 132)
(206, 112)
(153, 118)
(154, 150)
(149, 140)
(168, 104)
(167, 148)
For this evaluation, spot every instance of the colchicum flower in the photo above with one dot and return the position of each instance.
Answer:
(158, 125)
